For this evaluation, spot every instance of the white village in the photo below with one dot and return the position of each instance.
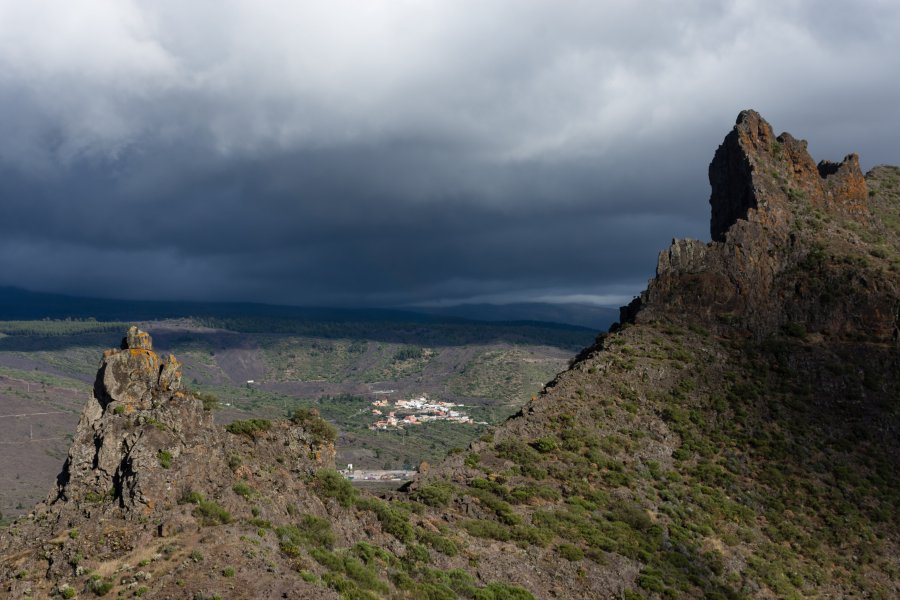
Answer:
(415, 411)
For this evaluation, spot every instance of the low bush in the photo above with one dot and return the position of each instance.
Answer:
(250, 428)
(392, 520)
(503, 591)
(437, 541)
(207, 511)
(243, 490)
(570, 552)
(328, 483)
(311, 532)
(99, 586)
(321, 430)
(165, 459)
(544, 445)
(210, 401)
(435, 494)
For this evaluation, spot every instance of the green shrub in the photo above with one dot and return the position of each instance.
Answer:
(99, 586)
(650, 580)
(250, 428)
(527, 492)
(570, 552)
(489, 499)
(307, 576)
(210, 401)
(632, 514)
(190, 497)
(437, 541)
(208, 512)
(795, 330)
(311, 531)
(408, 353)
(503, 591)
(260, 523)
(518, 452)
(243, 490)
(228, 572)
(234, 461)
(487, 529)
(544, 444)
(392, 520)
(321, 430)
(329, 483)
(361, 576)
(165, 459)
(416, 554)
(436, 494)
(367, 553)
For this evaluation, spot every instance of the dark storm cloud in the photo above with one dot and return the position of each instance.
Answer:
(401, 152)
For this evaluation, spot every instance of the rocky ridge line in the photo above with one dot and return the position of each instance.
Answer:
(762, 271)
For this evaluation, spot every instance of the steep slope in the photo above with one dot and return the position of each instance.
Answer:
(736, 436)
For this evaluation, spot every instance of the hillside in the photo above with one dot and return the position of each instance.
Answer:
(736, 436)
(337, 366)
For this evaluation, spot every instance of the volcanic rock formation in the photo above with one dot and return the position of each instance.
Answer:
(143, 440)
(762, 271)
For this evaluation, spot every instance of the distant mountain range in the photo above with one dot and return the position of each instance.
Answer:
(583, 315)
(20, 304)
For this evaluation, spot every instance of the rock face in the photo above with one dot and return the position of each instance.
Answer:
(766, 267)
(137, 413)
(135, 376)
(753, 170)
(142, 439)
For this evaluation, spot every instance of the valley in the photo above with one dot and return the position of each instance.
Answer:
(267, 368)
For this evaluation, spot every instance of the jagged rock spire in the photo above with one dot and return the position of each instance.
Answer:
(133, 383)
(753, 170)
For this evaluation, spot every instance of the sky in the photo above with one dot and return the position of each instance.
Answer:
(402, 152)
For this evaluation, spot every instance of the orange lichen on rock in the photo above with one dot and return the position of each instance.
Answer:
(844, 185)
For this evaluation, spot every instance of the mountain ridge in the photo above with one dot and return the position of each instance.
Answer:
(21, 304)
(735, 436)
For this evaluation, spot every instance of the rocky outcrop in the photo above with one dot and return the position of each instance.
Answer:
(757, 176)
(137, 421)
(783, 232)
(142, 439)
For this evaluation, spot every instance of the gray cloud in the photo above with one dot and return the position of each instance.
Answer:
(400, 152)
